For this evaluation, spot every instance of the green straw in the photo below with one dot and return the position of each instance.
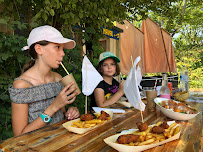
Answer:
(121, 76)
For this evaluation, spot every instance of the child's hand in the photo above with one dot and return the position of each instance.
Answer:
(72, 113)
(121, 85)
(66, 96)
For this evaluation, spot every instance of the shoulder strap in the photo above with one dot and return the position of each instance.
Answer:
(24, 80)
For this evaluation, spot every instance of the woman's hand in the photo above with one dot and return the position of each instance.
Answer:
(66, 96)
(72, 113)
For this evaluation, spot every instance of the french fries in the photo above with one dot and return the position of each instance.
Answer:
(149, 129)
(172, 125)
(158, 124)
(148, 137)
(176, 130)
(146, 142)
(140, 133)
(94, 121)
(171, 131)
(88, 123)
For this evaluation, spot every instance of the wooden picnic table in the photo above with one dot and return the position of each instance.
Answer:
(56, 138)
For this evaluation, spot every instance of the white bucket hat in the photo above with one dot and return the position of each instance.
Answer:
(48, 33)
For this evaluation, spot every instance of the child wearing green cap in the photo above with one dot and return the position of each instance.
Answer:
(108, 91)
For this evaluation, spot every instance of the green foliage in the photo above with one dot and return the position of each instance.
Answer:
(184, 18)
(11, 61)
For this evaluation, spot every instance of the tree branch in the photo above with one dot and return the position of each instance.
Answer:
(184, 8)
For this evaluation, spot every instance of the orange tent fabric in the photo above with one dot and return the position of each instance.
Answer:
(158, 50)
(169, 50)
(132, 44)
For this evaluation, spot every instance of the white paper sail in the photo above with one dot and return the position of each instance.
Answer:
(139, 76)
(90, 77)
(131, 88)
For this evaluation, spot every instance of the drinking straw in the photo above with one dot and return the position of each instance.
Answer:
(64, 68)
(121, 76)
(155, 84)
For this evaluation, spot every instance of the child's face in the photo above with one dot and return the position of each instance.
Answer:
(53, 54)
(109, 67)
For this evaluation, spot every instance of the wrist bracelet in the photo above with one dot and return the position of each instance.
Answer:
(46, 118)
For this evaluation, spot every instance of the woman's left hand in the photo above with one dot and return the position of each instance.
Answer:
(72, 113)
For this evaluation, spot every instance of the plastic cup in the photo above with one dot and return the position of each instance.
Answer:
(151, 94)
(145, 89)
(67, 80)
(170, 86)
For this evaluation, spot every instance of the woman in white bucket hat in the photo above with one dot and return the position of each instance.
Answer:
(38, 98)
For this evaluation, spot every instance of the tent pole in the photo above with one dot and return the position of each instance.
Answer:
(165, 51)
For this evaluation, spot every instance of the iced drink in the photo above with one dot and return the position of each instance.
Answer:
(67, 80)
(151, 94)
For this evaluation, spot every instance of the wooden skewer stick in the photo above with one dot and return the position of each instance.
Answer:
(139, 102)
(141, 112)
(86, 91)
(86, 104)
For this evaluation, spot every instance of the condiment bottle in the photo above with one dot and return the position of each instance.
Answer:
(165, 91)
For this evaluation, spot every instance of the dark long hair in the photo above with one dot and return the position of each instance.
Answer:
(100, 69)
(33, 54)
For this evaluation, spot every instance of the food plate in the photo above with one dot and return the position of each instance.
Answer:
(172, 114)
(126, 104)
(123, 99)
(111, 141)
(68, 125)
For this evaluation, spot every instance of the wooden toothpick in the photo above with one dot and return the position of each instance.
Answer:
(86, 91)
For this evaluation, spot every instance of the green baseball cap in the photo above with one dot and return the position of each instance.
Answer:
(106, 55)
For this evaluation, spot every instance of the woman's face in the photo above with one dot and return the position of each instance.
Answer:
(109, 67)
(53, 54)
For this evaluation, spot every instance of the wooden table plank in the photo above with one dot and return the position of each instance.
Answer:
(127, 124)
(56, 138)
(186, 139)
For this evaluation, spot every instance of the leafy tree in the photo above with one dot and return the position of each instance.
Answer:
(184, 22)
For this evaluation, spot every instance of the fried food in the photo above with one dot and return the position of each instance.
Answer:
(87, 116)
(157, 130)
(172, 125)
(178, 107)
(142, 126)
(146, 142)
(164, 125)
(176, 130)
(158, 123)
(90, 120)
(143, 133)
(104, 116)
(149, 129)
(126, 139)
(152, 135)
(167, 135)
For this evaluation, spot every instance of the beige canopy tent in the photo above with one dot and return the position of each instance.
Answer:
(132, 44)
(158, 48)
(152, 44)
